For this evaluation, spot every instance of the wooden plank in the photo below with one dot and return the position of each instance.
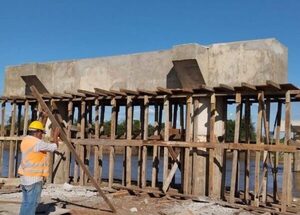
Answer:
(63, 95)
(64, 137)
(276, 155)
(96, 149)
(2, 130)
(248, 86)
(196, 164)
(75, 94)
(266, 117)
(68, 152)
(146, 92)
(118, 93)
(170, 176)
(238, 100)
(247, 155)
(11, 164)
(188, 137)
(286, 166)
(76, 166)
(166, 136)
(82, 136)
(164, 90)
(212, 139)
(129, 137)
(257, 154)
(113, 125)
(180, 144)
(129, 92)
(26, 117)
(273, 84)
(87, 93)
(145, 137)
(225, 88)
(104, 92)
(33, 80)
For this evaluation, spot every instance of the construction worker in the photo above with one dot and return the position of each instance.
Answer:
(34, 165)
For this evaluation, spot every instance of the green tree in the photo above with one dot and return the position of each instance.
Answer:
(230, 125)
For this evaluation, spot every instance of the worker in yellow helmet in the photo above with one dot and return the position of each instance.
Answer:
(34, 165)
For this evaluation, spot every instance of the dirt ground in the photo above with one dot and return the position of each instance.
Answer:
(68, 199)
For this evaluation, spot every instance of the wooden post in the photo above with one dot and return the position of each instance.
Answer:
(26, 117)
(76, 167)
(68, 153)
(238, 101)
(96, 148)
(196, 170)
(276, 154)
(224, 119)
(247, 155)
(257, 154)
(82, 136)
(11, 164)
(49, 154)
(166, 136)
(145, 137)
(18, 133)
(113, 123)
(286, 163)
(128, 136)
(155, 159)
(3, 105)
(266, 114)
(188, 138)
(212, 140)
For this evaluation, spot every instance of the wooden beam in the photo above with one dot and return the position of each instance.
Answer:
(12, 143)
(212, 139)
(164, 90)
(225, 88)
(180, 144)
(238, 100)
(113, 126)
(64, 95)
(88, 93)
(273, 84)
(118, 93)
(248, 86)
(129, 137)
(64, 137)
(146, 92)
(258, 154)
(75, 94)
(104, 92)
(129, 92)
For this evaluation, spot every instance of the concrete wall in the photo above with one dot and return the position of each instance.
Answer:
(182, 66)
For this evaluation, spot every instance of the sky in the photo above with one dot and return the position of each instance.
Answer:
(49, 30)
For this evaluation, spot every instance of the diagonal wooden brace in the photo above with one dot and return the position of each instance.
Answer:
(64, 137)
(176, 165)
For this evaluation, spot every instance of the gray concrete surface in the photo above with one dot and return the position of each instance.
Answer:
(187, 65)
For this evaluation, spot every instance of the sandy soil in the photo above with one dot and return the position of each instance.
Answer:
(64, 199)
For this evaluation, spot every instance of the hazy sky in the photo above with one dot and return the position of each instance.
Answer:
(44, 30)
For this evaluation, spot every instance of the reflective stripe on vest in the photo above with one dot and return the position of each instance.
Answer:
(33, 163)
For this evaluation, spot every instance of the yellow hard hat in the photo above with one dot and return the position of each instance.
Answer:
(36, 125)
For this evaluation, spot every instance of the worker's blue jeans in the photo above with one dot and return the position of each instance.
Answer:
(31, 198)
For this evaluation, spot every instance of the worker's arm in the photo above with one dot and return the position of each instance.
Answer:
(42, 146)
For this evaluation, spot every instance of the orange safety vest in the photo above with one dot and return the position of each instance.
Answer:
(33, 163)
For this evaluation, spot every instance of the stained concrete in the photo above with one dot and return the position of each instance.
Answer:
(187, 65)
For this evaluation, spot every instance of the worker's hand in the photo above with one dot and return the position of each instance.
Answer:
(56, 133)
